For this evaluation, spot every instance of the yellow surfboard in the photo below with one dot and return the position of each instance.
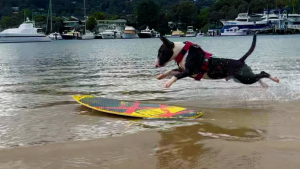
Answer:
(135, 108)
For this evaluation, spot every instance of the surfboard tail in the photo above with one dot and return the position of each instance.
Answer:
(250, 50)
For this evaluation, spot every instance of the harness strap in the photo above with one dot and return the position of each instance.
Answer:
(183, 52)
(204, 65)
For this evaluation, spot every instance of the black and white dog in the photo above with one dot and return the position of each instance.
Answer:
(194, 62)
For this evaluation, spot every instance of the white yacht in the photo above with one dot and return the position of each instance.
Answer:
(55, 36)
(112, 32)
(190, 32)
(294, 21)
(147, 33)
(200, 34)
(274, 19)
(234, 31)
(129, 32)
(26, 32)
(279, 20)
(243, 21)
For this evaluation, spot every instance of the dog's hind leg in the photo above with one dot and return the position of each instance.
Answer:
(274, 79)
(246, 76)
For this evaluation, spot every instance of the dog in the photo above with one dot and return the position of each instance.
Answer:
(196, 63)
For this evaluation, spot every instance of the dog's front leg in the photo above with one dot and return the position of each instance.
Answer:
(177, 77)
(168, 73)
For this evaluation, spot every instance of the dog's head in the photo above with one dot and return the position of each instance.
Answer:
(165, 52)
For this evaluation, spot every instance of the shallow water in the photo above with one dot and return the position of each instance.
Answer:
(38, 80)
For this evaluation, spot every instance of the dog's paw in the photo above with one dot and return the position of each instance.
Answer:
(168, 84)
(275, 79)
(161, 76)
(171, 81)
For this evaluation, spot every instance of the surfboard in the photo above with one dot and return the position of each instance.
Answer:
(135, 108)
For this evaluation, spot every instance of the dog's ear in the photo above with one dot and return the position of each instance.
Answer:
(166, 42)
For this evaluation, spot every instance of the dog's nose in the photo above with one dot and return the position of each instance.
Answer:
(156, 63)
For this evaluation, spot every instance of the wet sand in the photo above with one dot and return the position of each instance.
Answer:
(131, 151)
(257, 135)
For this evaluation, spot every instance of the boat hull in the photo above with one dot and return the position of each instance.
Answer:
(234, 34)
(234, 31)
(69, 37)
(55, 37)
(144, 35)
(174, 36)
(111, 36)
(246, 25)
(191, 35)
(23, 39)
(129, 36)
(88, 37)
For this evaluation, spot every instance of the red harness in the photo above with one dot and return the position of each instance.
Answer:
(204, 66)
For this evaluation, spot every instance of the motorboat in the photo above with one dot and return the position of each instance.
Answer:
(26, 32)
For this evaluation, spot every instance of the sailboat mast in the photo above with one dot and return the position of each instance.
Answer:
(48, 18)
(51, 14)
(84, 17)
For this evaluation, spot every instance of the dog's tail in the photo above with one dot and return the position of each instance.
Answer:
(250, 50)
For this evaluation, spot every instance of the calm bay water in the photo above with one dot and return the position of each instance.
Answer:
(37, 81)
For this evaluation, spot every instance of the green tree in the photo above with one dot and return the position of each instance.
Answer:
(40, 18)
(5, 22)
(112, 17)
(185, 12)
(63, 13)
(243, 7)
(59, 25)
(72, 19)
(147, 13)
(99, 15)
(203, 17)
(293, 3)
(16, 19)
(256, 6)
(41, 21)
(297, 7)
(25, 13)
(91, 23)
(162, 23)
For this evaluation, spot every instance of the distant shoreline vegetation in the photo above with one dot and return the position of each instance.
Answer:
(156, 14)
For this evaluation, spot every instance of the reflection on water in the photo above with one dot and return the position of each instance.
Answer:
(182, 147)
